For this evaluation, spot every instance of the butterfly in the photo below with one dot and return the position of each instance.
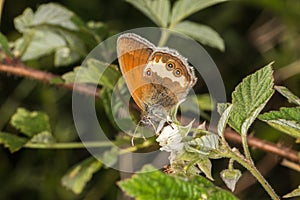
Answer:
(158, 78)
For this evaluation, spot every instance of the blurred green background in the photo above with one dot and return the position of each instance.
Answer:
(255, 32)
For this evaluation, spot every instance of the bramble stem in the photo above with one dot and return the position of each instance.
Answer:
(234, 154)
(79, 145)
(245, 146)
(248, 164)
(68, 145)
(230, 164)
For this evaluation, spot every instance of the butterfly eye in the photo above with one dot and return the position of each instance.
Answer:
(148, 72)
(170, 66)
(177, 72)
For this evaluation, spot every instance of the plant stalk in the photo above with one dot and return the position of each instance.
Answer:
(246, 147)
(79, 145)
(163, 38)
(248, 164)
(234, 154)
(68, 145)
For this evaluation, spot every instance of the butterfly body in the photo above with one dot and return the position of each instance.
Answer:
(157, 77)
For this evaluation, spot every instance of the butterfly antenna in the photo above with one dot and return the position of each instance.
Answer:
(152, 125)
(143, 135)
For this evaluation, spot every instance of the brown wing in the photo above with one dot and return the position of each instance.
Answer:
(133, 54)
(172, 75)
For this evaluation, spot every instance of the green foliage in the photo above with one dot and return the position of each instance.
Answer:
(110, 157)
(294, 193)
(202, 33)
(95, 72)
(150, 185)
(224, 119)
(12, 142)
(205, 167)
(44, 137)
(185, 8)
(159, 12)
(48, 31)
(4, 45)
(30, 123)
(286, 120)
(288, 94)
(34, 125)
(106, 96)
(52, 30)
(206, 143)
(78, 176)
(46, 14)
(250, 97)
(55, 32)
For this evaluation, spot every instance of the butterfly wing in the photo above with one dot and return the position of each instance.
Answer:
(170, 74)
(133, 54)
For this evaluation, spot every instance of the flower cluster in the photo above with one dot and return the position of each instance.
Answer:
(170, 139)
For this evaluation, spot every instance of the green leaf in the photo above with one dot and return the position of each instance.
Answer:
(205, 166)
(96, 29)
(231, 177)
(21, 44)
(73, 51)
(110, 157)
(50, 30)
(157, 10)
(223, 120)
(78, 176)
(64, 56)
(185, 8)
(288, 94)
(204, 144)
(294, 193)
(110, 76)
(202, 33)
(44, 137)
(24, 21)
(286, 120)
(95, 72)
(250, 97)
(114, 106)
(12, 142)
(70, 77)
(39, 43)
(30, 123)
(106, 99)
(46, 14)
(4, 45)
(155, 185)
(66, 47)
(54, 14)
(221, 107)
